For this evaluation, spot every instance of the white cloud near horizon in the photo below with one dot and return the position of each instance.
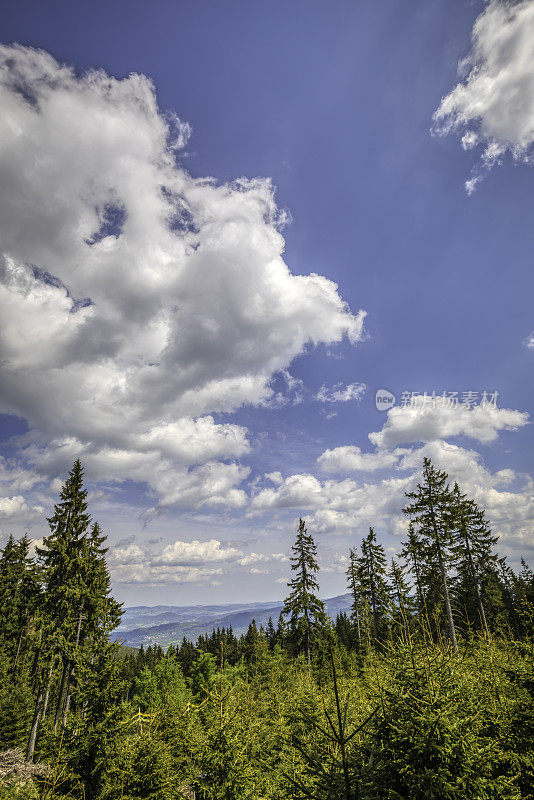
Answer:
(185, 554)
(188, 561)
(135, 299)
(425, 421)
(350, 458)
(493, 106)
(349, 506)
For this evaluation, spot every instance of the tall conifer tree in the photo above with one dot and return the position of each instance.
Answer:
(400, 589)
(374, 585)
(306, 612)
(476, 584)
(413, 556)
(19, 598)
(358, 612)
(77, 610)
(431, 511)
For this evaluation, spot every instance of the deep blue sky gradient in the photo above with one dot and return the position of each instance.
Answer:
(334, 101)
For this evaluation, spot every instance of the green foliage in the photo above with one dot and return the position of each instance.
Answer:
(432, 513)
(373, 585)
(430, 738)
(142, 766)
(378, 705)
(16, 706)
(16, 790)
(306, 612)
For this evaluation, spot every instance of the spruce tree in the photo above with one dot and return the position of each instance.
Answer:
(271, 634)
(344, 630)
(77, 610)
(354, 585)
(523, 602)
(413, 556)
(62, 559)
(374, 584)
(251, 642)
(431, 511)
(306, 612)
(525, 581)
(475, 561)
(19, 600)
(99, 614)
(400, 594)
(281, 630)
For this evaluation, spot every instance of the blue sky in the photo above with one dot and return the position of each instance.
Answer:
(334, 103)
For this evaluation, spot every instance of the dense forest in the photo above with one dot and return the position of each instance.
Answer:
(425, 691)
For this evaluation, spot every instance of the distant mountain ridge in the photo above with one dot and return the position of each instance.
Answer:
(164, 625)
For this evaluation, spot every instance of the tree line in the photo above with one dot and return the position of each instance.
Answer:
(423, 690)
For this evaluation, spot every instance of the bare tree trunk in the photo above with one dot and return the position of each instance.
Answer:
(358, 631)
(61, 695)
(30, 749)
(48, 684)
(420, 595)
(452, 631)
(355, 598)
(475, 583)
(18, 648)
(308, 653)
(40, 711)
(35, 663)
(373, 599)
(67, 701)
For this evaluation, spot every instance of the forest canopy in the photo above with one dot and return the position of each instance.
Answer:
(424, 690)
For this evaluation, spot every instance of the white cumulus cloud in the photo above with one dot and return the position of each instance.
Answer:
(137, 300)
(424, 421)
(494, 105)
(185, 561)
(185, 554)
(350, 458)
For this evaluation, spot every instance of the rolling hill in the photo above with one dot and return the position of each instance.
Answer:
(163, 625)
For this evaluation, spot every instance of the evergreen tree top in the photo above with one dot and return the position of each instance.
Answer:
(302, 602)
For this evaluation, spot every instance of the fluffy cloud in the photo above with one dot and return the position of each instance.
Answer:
(350, 506)
(494, 105)
(16, 483)
(351, 459)
(170, 483)
(16, 509)
(157, 576)
(130, 554)
(293, 492)
(340, 393)
(186, 554)
(15, 478)
(424, 421)
(185, 561)
(136, 299)
(337, 506)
